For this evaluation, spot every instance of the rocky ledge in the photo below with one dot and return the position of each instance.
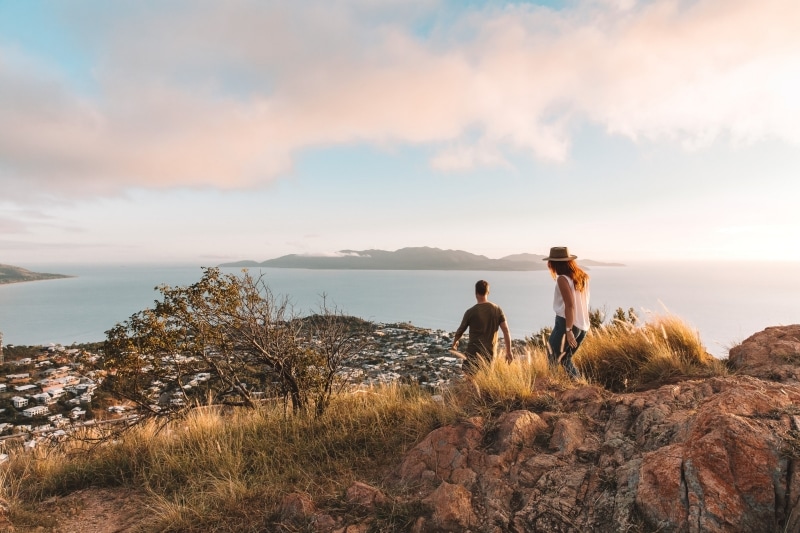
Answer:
(715, 455)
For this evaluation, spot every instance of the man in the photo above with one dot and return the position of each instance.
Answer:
(482, 319)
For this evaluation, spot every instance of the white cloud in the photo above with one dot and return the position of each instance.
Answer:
(210, 94)
(342, 253)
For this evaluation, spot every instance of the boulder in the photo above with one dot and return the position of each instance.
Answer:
(443, 453)
(452, 508)
(772, 354)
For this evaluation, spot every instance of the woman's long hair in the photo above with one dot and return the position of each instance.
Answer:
(571, 269)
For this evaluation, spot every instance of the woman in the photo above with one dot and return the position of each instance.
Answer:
(571, 304)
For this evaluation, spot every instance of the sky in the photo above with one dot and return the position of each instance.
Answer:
(200, 132)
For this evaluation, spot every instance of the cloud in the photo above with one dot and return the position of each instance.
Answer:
(342, 253)
(468, 156)
(225, 95)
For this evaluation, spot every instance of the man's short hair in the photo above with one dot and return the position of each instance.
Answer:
(482, 287)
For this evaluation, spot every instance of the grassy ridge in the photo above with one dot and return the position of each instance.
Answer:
(227, 470)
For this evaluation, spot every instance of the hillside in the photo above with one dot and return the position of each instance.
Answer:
(414, 258)
(713, 454)
(14, 274)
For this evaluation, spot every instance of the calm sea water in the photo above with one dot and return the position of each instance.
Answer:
(725, 302)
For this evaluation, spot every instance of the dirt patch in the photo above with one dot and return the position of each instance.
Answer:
(95, 510)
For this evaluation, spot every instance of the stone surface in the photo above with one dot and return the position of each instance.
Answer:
(297, 506)
(452, 508)
(772, 354)
(708, 455)
(365, 495)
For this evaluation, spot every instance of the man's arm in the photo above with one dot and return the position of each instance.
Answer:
(507, 337)
(455, 341)
(461, 329)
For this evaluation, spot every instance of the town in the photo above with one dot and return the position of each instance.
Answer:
(47, 392)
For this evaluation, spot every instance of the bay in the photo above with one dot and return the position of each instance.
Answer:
(724, 302)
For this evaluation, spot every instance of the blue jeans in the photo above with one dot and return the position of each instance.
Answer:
(558, 345)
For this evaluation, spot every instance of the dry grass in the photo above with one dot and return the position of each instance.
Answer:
(623, 357)
(228, 471)
(498, 386)
(224, 471)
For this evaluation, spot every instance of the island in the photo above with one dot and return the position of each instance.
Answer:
(414, 258)
(14, 274)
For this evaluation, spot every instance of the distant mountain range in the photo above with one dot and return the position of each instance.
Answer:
(418, 258)
(13, 274)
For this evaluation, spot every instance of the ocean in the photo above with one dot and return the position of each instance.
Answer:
(724, 302)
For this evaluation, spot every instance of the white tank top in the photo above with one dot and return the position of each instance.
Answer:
(581, 299)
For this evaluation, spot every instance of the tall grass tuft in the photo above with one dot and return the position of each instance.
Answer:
(499, 386)
(624, 357)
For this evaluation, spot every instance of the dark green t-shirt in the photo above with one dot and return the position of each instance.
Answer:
(482, 319)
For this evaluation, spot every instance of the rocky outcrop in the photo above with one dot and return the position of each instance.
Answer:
(713, 455)
(773, 354)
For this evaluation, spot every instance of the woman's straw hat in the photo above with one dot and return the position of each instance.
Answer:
(559, 253)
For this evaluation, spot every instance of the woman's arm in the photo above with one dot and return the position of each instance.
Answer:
(569, 308)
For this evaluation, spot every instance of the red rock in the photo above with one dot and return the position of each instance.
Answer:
(297, 506)
(707, 455)
(365, 495)
(442, 452)
(517, 428)
(452, 508)
(568, 435)
(772, 354)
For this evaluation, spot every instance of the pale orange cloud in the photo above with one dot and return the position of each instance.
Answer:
(208, 94)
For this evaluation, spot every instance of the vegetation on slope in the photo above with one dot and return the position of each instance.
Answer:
(227, 469)
(624, 357)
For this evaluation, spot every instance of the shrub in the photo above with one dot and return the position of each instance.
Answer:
(232, 337)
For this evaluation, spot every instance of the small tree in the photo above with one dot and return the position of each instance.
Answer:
(336, 339)
(621, 319)
(228, 340)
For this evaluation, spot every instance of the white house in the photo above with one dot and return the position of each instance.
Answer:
(42, 398)
(19, 402)
(55, 394)
(36, 410)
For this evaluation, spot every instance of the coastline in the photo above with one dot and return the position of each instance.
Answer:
(725, 302)
(46, 277)
(13, 274)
